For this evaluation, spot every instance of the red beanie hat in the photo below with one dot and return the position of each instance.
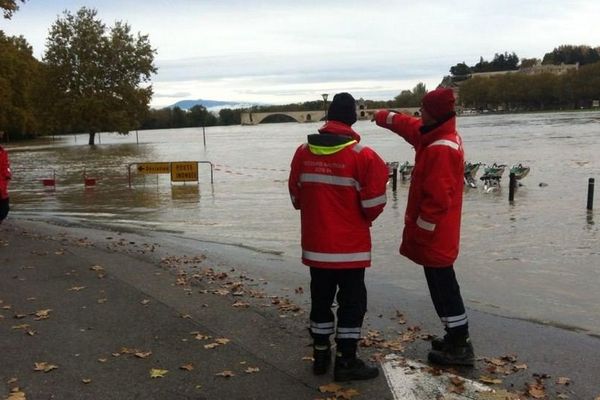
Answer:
(439, 103)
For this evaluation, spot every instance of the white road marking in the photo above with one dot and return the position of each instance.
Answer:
(410, 380)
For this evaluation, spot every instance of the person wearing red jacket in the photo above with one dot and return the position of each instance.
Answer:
(339, 186)
(431, 233)
(5, 176)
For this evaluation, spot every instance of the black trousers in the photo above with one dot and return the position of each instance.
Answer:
(448, 303)
(4, 208)
(349, 284)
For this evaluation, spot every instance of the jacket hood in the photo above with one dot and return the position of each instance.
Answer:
(339, 128)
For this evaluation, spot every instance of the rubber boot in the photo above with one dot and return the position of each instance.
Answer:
(322, 359)
(439, 343)
(353, 369)
(455, 351)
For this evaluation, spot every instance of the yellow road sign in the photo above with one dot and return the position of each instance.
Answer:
(154, 168)
(184, 171)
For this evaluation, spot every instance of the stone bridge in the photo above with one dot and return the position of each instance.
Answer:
(255, 118)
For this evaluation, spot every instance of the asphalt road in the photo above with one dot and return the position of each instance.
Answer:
(94, 314)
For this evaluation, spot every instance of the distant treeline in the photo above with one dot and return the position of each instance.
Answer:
(166, 118)
(525, 92)
(518, 91)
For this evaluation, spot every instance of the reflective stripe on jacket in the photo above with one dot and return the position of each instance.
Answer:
(431, 233)
(339, 186)
(5, 173)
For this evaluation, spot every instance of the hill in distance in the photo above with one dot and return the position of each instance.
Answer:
(211, 105)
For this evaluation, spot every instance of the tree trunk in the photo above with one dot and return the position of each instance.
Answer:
(92, 136)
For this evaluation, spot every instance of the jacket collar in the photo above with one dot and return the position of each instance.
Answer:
(445, 128)
(339, 128)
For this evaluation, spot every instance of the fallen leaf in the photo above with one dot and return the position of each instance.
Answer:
(42, 314)
(226, 374)
(520, 366)
(44, 366)
(200, 336)
(102, 360)
(11, 381)
(222, 340)
(16, 394)
(145, 301)
(22, 326)
(251, 370)
(86, 380)
(330, 388)
(346, 394)
(211, 345)
(308, 358)
(187, 367)
(536, 390)
(158, 373)
(240, 304)
(76, 288)
(97, 268)
(102, 301)
(142, 354)
(561, 380)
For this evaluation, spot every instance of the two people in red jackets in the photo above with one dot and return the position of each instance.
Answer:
(339, 186)
(5, 176)
(433, 214)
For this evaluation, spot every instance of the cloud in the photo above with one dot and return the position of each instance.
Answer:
(173, 95)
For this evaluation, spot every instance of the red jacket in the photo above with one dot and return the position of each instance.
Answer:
(432, 222)
(5, 174)
(339, 186)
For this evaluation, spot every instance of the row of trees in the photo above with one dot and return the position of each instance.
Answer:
(519, 92)
(567, 54)
(198, 115)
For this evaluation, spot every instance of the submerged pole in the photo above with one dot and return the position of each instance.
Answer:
(204, 136)
(512, 184)
(590, 194)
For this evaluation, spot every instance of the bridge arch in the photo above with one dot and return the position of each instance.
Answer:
(255, 118)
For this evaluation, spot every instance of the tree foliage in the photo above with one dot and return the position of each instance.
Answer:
(411, 98)
(98, 77)
(166, 118)
(519, 92)
(19, 87)
(9, 7)
(501, 62)
(569, 54)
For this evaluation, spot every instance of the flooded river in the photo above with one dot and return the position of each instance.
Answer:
(538, 258)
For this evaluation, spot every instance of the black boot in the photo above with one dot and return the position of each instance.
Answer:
(353, 369)
(322, 359)
(439, 343)
(455, 351)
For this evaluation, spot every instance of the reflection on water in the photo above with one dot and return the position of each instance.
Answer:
(536, 258)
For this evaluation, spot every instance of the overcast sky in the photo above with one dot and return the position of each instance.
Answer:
(287, 51)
